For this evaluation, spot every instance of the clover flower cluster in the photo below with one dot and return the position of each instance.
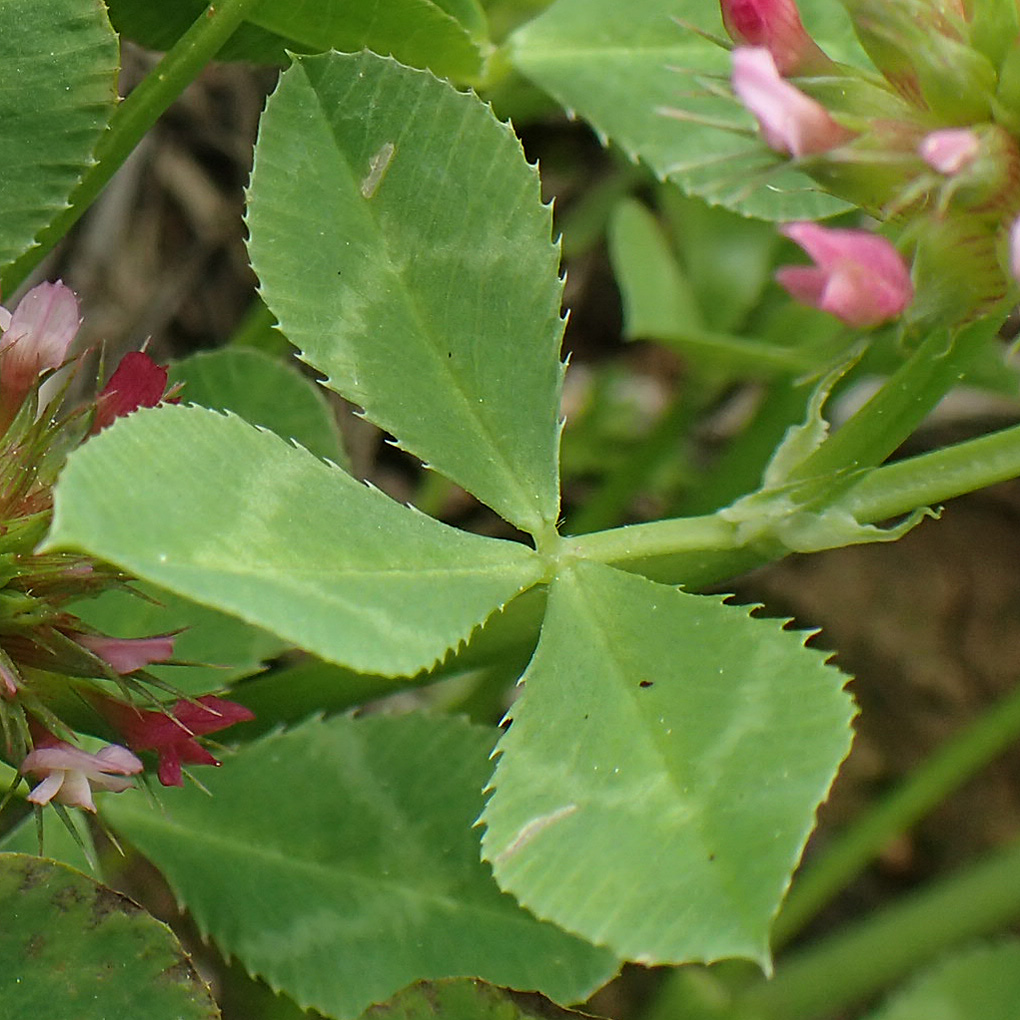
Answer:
(53, 667)
(930, 146)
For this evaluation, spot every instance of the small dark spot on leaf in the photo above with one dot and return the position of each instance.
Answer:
(67, 898)
(646, 683)
(711, 857)
(449, 354)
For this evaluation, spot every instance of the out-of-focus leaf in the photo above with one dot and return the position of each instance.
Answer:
(73, 948)
(264, 391)
(464, 999)
(980, 981)
(445, 35)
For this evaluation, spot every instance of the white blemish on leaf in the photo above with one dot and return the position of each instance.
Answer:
(377, 167)
(531, 829)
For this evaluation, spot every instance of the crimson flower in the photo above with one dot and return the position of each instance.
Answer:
(776, 25)
(172, 735)
(137, 382)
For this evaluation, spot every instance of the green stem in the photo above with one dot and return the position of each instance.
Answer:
(694, 551)
(930, 478)
(133, 118)
(946, 770)
(903, 402)
(853, 965)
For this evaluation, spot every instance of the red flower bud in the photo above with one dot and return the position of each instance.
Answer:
(137, 382)
(775, 25)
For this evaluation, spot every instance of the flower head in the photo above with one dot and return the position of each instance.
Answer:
(857, 276)
(69, 774)
(137, 382)
(775, 25)
(172, 735)
(790, 121)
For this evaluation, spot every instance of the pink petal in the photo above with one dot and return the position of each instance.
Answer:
(48, 788)
(63, 756)
(950, 150)
(859, 277)
(790, 121)
(125, 655)
(1014, 249)
(43, 326)
(75, 791)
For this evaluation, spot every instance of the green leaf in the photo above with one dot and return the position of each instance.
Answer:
(357, 834)
(728, 258)
(402, 245)
(417, 32)
(423, 33)
(662, 771)
(661, 303)
(59, 60)
(159, 26)
(267, 532)
(658, 298)
(469, 13)
(620, 66)
(264, 391)
(73, 948)
(980, 981)
(464, 999)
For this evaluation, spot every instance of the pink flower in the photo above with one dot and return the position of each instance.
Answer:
(125, 655)
(858, 277)
(36, 337)
(69, 774)
(790, 121)
(1014, 249)
(775, 25)
(172, 736)
(950, 150)
(137, 382)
